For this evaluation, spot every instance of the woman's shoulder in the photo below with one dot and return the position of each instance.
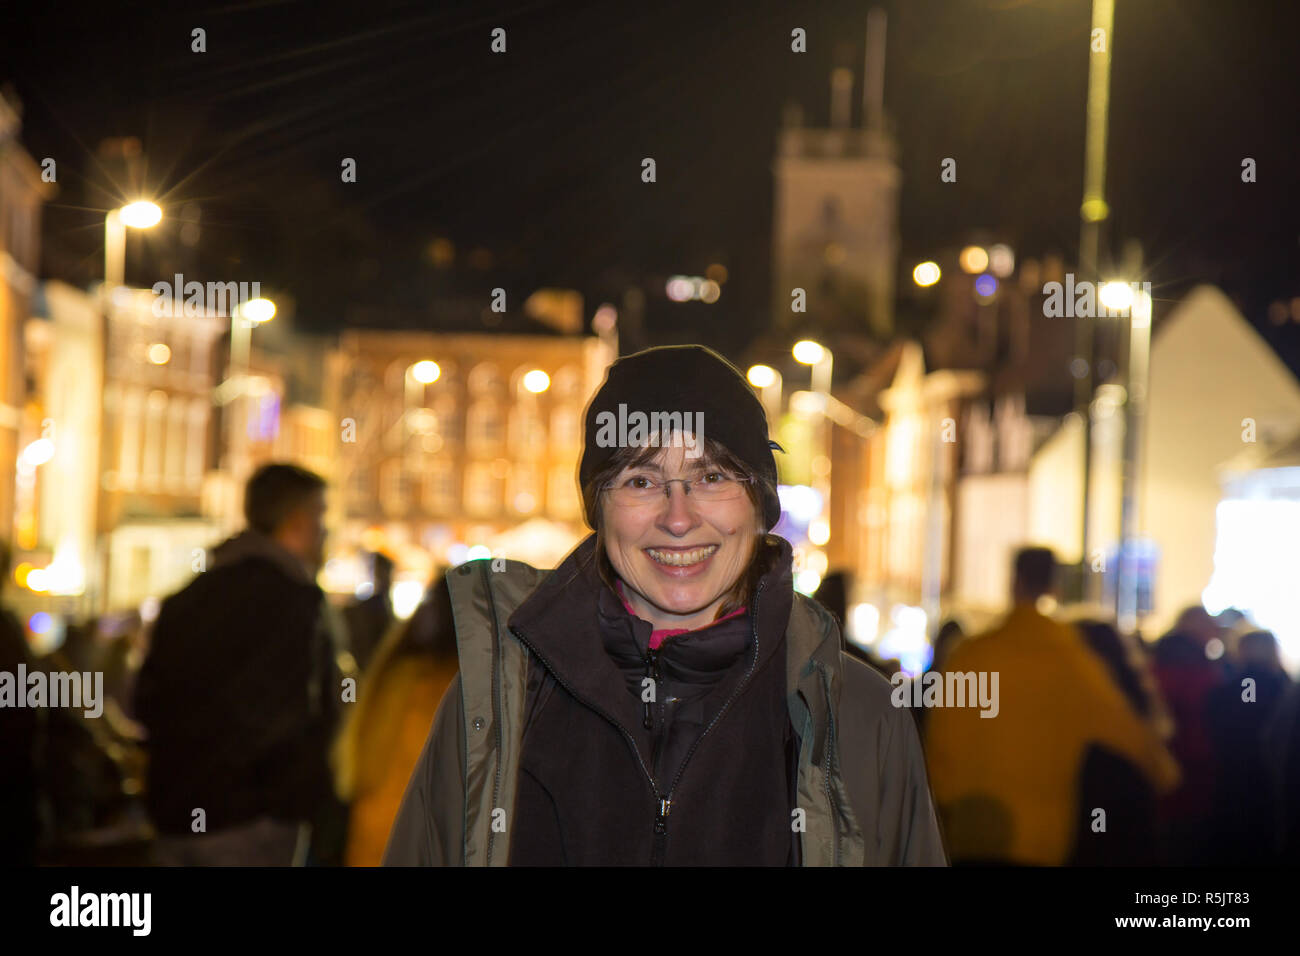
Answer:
(866, 692)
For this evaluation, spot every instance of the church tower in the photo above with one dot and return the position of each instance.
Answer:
(835, 220)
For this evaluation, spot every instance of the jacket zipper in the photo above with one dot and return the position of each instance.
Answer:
(496, 706)
(665, 802)
(661, 802)
(652, 675)
(835, 816)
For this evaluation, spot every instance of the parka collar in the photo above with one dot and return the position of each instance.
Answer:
(560, 623)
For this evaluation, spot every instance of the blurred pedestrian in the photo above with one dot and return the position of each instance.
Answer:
(1106, 643)
(369, 618)
(1186, 675)
(240, 692)
(664, 696)
(950, 633)
(19, 730)
(1010, 788)
(386, 728)
(1238, 711)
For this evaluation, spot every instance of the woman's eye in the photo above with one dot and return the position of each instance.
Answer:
(638, 481)
(714, 477)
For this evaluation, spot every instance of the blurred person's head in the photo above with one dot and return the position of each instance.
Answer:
(1107, 644)
(1198, 624)
(683, 558)
(382, 573)
(950, 633)
(832, 594)
(1034, 575)
(287, 504)
(1258, 650)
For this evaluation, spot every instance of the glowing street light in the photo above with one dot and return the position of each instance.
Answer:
(425, 372)
(973, 259)
(808, 352)
(141, 214)
(820, 358)
(537, 381)
(768, 382)
(257, 311)
(1116, 296)
(926, 274)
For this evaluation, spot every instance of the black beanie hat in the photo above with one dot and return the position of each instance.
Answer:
(686, 381)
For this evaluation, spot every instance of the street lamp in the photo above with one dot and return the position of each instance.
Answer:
(1136, 381)
(140, 214)
(537, 381)
(768, 382)
(414, 379)
(1093, 211)
(243, 318)
(816, 355)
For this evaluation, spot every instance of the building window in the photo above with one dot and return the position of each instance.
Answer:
(449, 420)
(562, 493)
(527, 430)
(392, 487)
(484, 425)
(565, 431)
(485, 379)
(439, 487)
(483, 489)
(198, 434)
(525, 489)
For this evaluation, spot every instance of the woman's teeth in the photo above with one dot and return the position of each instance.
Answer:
(679, 559)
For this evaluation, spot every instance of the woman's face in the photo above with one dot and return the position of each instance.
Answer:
(678, 557)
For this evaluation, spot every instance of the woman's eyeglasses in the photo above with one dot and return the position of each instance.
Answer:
(709, 486)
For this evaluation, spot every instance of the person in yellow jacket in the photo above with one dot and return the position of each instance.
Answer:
(1007, 779)
(385, 732)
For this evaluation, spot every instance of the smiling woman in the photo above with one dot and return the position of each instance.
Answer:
(687, 554)
(664, 697)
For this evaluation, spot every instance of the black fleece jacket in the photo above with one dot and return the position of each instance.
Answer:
(703, 776)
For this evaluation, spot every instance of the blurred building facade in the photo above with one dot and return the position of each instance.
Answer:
(482, 455)
(22, 193)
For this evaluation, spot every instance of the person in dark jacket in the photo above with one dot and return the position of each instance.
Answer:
(1238, 712)
(369, 618)
(1187, 676)
(240, 693)
(664, 697)
(19, 729)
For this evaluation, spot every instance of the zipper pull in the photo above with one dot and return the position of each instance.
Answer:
(652, 675)
(661, 816)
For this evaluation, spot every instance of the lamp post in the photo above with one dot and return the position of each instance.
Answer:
(1136, 379)
(816, 355)
(243, 318)
(768, 382)
(1092, 213)
(140, 214)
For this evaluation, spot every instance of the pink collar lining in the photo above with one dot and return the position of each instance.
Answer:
(658, 637)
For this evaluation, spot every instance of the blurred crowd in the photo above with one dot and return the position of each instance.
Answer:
(1108, 749)
(252, 721)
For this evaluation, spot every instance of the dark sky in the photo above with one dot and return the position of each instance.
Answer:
(535, 155)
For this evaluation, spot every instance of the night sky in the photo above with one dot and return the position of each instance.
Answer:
(535, 155)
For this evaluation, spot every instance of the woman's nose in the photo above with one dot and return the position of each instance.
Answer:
(681, 506)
